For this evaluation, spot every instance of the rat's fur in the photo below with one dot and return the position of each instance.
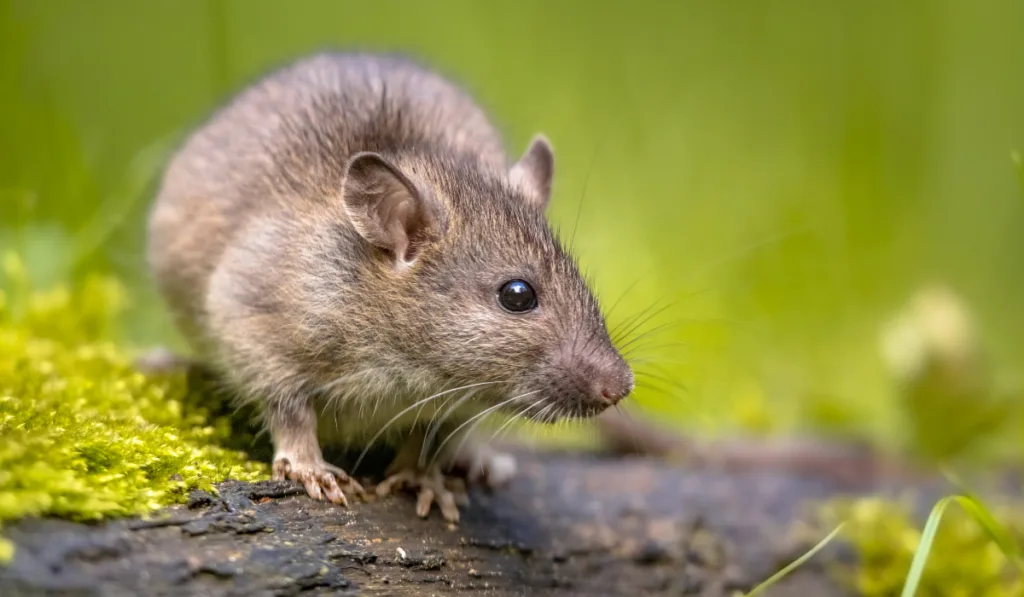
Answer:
(263, 246)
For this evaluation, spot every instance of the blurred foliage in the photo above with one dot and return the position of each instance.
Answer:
(770, 181)
(946, 393)
(84, 435)
(963, 559)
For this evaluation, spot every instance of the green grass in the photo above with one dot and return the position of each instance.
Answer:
(956, 553)
(983, 518)
(976, 555)
(764, 586)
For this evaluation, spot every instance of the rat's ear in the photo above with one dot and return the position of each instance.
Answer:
(535, 170)
(388, 209)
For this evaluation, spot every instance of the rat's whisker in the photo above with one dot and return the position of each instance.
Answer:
(651, 333)
(438, 408)
(586, 184)
(625, 292)
(640, 322)
(542, 415)
(475, 417)
(683, 406)
(640, 363)
(433, 429)
(409, 408)
(517, 416)
(662, 379)
(443, 411)
(616, 329)
(538, 417)
(648, 334)
(639, 349)
(624, 412)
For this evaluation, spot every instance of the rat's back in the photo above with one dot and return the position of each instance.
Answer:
(280, 147)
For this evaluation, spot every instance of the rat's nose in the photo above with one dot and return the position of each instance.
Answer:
(598, 375)
(612, 385)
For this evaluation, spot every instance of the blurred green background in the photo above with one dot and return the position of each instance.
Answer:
(771, 181)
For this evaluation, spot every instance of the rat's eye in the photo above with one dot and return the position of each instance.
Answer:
(517, 296)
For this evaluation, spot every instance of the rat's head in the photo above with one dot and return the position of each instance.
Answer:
(479, 289)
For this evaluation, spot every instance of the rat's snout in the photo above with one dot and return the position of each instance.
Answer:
(612, 384)
(607, 378)
(600, 376)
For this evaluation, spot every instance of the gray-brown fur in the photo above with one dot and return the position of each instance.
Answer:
(264, 240)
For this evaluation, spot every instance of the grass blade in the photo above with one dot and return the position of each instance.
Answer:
(924, 547)
(997, 532)
(981, 515)
(795, 564)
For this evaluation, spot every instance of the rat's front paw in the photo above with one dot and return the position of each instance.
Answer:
(321, 480)
(434, 486)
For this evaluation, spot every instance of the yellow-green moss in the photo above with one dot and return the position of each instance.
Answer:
(963, 560)
(82, 434)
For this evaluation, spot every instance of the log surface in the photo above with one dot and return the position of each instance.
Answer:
(569, 524)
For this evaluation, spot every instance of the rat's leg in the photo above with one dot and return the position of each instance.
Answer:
(297, 454)
(433, 485)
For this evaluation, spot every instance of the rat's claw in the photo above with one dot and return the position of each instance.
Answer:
(282, 469)
(397, 481)
(321, 480)
(329, 484)
(446, 501)
(423, 502)
(433, 487)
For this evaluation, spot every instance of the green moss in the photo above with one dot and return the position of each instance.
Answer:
(85, 436)
(963, 559)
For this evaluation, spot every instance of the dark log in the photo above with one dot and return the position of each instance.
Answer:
(570, 524)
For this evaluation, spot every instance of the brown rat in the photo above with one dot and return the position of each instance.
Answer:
(348, 245)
